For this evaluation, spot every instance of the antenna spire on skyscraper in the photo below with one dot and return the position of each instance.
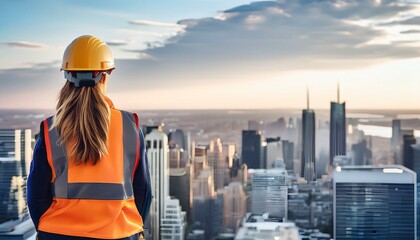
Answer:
(338, 91)
(307, 97)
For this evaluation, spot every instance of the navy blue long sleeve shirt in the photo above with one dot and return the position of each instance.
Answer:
(39, 189)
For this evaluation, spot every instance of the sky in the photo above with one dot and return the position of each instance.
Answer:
(219, 54)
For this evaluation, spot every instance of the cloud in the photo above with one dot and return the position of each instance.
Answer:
(25, 44)
(119, 42)
(285, 36)
(410, 21)
(411, 31)
(155, 24)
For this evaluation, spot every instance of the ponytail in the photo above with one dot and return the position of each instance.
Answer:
(82, 120)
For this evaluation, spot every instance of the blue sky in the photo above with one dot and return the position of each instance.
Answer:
(220, 53)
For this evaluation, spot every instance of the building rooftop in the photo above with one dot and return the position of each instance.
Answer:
(374, 174)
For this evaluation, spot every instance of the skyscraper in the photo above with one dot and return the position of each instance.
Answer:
(252, 154)
(416, 160)
(16, 144)
(218, 163)
(173, 223)
(12, 190)
(269, 192)
(288, 153)
(181, 180)
(396, 140)
(273, 150)
(407, 150)
(337, 128)
(234, 205)
(373, 202)
(207, 206)
(199, 160)
(157, 153)
(308, 143)
(182, 141)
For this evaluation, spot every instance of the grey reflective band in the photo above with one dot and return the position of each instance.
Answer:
(105, 191)
(100, 191)
(83, 78)
(59, 160)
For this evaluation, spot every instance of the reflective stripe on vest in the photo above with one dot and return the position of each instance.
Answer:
(93, 190)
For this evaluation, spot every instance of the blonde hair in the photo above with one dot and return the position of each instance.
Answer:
(82, 119)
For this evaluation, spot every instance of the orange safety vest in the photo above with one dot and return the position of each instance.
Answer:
(95, 201)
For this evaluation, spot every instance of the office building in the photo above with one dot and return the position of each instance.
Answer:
(229, 151)
(407, 150)
(12, 191)
(396, 140)
(337, 128)
(269, 192)
(157, 154)
(308, 145)
(234, 205)
(265, 226)
(416, 160)
(173, 224)
(15, 144)
(174, 157)
(200, 159)
(180, 182)
(252, 153)
(218, 163)
(273, 151)
(208, 215)
(374, 202)
(288, 153)
(181, 140)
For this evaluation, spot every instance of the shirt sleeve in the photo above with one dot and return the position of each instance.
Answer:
(39, 193)
(141, 182)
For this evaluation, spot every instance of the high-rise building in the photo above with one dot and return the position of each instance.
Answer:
(416, 161)
(372, 202)
(264, 226)
(208, 215)
(203, 184)
(199, 160)
(174, 156)
(180, 139)
(15, 157)
(173, 223)
(269, 192)
(12, 191)
(180, 182)
(219, 164)
(157, 154)
(308, 145)
(396, 140)
(234, 205)
(337, 128)
(273, 151)
(252, 154)
(407, 150)
(362, 155)
(288, 153)
(15, 144)
(229, 151)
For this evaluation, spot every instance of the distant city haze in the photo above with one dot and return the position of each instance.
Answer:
(220, 54)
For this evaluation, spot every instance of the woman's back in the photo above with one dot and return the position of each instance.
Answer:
(95, 156)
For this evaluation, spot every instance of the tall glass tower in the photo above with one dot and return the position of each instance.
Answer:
(252, 152)
(337, 128)
(374, 202)
(308, 143)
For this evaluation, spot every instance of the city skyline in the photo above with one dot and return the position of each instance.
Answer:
(215, 54)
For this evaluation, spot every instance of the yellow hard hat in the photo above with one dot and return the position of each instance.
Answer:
(87, 53)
